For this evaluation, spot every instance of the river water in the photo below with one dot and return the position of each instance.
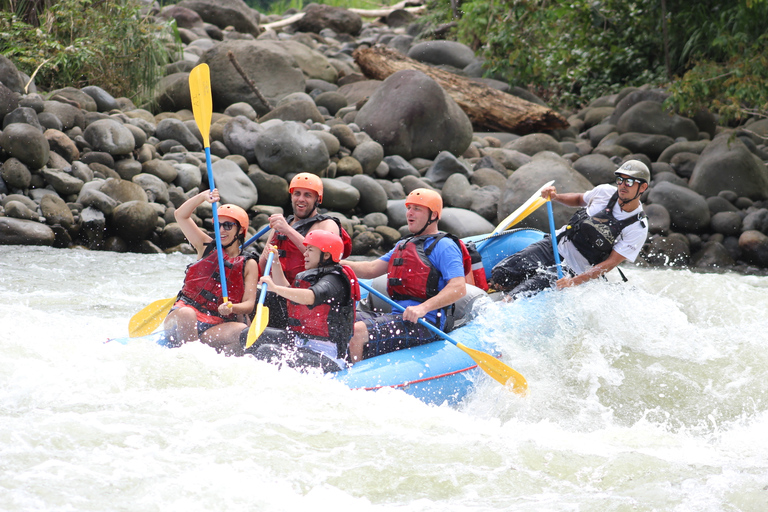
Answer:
(649, 395)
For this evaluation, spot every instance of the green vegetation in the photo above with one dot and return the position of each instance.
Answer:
(711, 53)
(74, 43)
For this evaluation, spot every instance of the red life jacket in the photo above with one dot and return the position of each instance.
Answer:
(411, 275)
(328, 321)
(291, 257)
(202, 286)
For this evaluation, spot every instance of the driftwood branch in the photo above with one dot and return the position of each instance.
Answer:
(363, 13)
(487, 108)
(248, 81)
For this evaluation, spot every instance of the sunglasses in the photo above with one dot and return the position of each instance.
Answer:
(628, 181)
(227, 226)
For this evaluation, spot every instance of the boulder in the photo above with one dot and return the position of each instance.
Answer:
(56, 211)
(320, 16)
(688, 211)
(339, 196)
(234, 185)
(534, 143)
(289, 148)
(444, 166)
(226, 13)
(134, 220)
(649, 117)
(270, 66)
(373, 197)
(410, 115)
(529, 178)
(754, 247)
(441, 52)
(598, 169)
(24, 232)
(463, 223)
(727, 164)
(25, 143)
(109, 136)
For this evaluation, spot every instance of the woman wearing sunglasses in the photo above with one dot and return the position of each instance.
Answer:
(609, 228)
(201, 313)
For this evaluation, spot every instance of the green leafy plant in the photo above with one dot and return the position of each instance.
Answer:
(81, 42)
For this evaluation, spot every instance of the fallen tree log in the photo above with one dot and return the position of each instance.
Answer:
(487, 108)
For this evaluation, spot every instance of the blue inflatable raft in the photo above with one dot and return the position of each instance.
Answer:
(437, 372)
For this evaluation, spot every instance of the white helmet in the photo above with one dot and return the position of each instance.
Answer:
(634, 169)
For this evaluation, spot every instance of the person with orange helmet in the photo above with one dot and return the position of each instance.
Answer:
(288, 235)
(321, 308)
(200, 312)
(425, 274)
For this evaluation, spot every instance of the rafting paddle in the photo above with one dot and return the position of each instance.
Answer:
(202, 108)
(261, 319)
(146, 321)
(527, 208)
(554, 239)
(500, 372)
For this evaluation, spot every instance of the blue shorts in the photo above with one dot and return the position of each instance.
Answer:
(388, 332)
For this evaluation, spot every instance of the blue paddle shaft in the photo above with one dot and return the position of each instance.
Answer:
(401, 309)
(267, 269)
(255, 237)
(554, 239)
(219, 250)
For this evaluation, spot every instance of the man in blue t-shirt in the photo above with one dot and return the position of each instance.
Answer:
(425, 274)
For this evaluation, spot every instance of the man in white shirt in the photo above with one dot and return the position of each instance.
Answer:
(608, 229)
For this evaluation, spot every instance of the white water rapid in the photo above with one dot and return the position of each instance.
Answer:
(644, 396)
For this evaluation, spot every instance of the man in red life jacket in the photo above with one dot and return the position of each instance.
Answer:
(321, 308)
(426, 275)
(288, 236)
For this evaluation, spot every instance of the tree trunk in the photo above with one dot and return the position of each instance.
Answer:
(488, 108)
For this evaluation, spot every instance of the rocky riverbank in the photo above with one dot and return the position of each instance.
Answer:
(82, 168)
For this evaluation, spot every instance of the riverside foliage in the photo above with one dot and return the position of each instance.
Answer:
(710, 53)
(75, 43)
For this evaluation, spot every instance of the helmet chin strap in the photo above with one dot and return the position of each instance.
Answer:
(622, 204)
(426, 225)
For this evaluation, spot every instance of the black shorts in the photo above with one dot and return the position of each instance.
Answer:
(388, 332)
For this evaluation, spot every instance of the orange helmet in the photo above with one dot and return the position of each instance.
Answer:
(308, 181)
(234, 212)
(426, 198)
(326, 242)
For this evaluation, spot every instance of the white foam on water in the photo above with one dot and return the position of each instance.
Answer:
(648, 395)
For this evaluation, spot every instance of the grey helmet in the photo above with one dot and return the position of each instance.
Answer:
(634, 169)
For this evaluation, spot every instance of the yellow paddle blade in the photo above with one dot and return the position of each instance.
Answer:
(524, 210)
(202, 104)
(146, 321)
(500, 372)
(258, 325)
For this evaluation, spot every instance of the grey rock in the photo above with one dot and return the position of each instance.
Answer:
(727, 164)
(25, 143)
(534, 143)
(444, 166)
(688, 210)
(463, 223)
(369, 154)
(659, 220)
(109, 136)
(62, 182)
(134, 220)
(339, 196)
(56, 211)
(712, 255)
(598, 169)
(272, 190)
(123, 191)
(289, 148)
(155, 188)
(727, 223)
(754, 247)
(175, 129)
(15, 174)
(234, 185)
(19, 210)
(440, 52)
(373, 197)
(24, 232)
(410, 115)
